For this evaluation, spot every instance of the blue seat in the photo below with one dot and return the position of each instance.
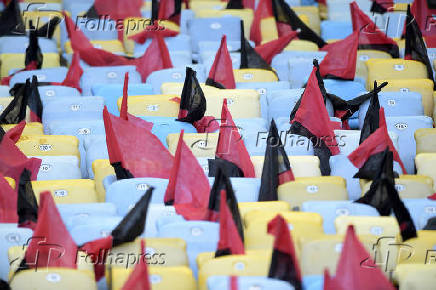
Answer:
(81, 212)
(181, 42)
(394, 23)
(95, 148)
(29, 6)
(59, 167)
(107, 75)
(174, 75)
(405, 128)
(212, 29)
(341, 166)
(200, 236)
(18, 44)
(162, 126)
(247, 283)
(280, 62)
(57, 91)
(212, 46)
(396, 104)
(125, 193)
(421, 210)
(329, 210)
(251, 125)
(4, 91)
(246, 189)
(94, 228)
(56, 74)
(347, 90)
(331, 29)
(207, 59)
(313, 282)
(10, 236)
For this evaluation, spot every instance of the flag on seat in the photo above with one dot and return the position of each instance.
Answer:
(138, 279)
(74, 74)
(134, 151)
(11, 23)
(170, 10)
(230, 145)
(116, 9)
(431, 224)
(334, 64)
(382, 6)
(310, 119)
(371, 37)
(270, 49)
(8, 202)
(27, 208)
(230, 169)
(276, 168)
(34, 101)
(356, 267)
(424, 12)
(221, 73)
(415, 45)
(33, 56)
(47, 30)
(249, 57)
(372, 120)
(284, 264)
(230, 242)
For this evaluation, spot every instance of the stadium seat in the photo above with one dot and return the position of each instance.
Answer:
(421, 249)
(425, 140)
(201, 145)
(101, 168)
(246, 282)
(362, 56)
(59, 167)
(265, 206)
(424, 165)
(302, 166)
(280, 62)
(49, 145)
(421, 210)
(177, 74)
(46, 92)
(55, 74)
(73, 212)
(113, 46)
(247, 75)
(152, 105)
(11, 61)
(18, 44)
(31, 128)
(67, 191)
(331, 29)
(415, 276)
(341, 166)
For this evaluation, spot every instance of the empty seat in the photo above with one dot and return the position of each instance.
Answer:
(31, 128)
(302, 166)
(201, 145)
(152, 105)
(421, 210)
(49, 145)
(362, 56)
(248, 75)
(82, 212)
(67, 191)
(223, 283)
(415, 276)
(335, 29)
(59, 167)
(425, 165)
(425, 140)
(11, 61)
(341, 166)
(280, 62)
(176, 74)
(55, 74)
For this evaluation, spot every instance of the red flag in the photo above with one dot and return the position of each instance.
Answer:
(187, 182)
(138, 279)
(263, 11)
(170, 10)
(268, 50)
(355, 267)
(135, 148)
(230, 242)
(152, 30)
(51, 244)
(424, 16)
(335, 65)
(118, 9)
(74, 73)
(8, 202)
(221, 72)
(230, 144)
(15, 133)
(98, 250)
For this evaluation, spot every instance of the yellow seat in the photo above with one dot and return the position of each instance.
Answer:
(245, 14)
(312, 188)
(425, 140)
(242, 103)
(53, 279)
(160, 278)
(421, 86)
(302, 166)
(68, 190)
(152, 105)
(248, 75)
(205, 257)
(270, 206)
(425, 163)
(434, 102)
(300, 223)
(10, 181)
(415, 276)
(135, 25)
(11, 61)
(101, 169)
(409, 186)
(201, 144)
(233, 265)
(41, 17)
(113, 46)
(176, 88)
(330, 246)
(311, 13)
(299, 44)
(419, 250)
(33, 128)
(49, 145)
(363, 55)
(198, 6)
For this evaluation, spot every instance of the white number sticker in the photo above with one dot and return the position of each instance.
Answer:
(41, 77)
(53, 277)
(215, 25)
(45, 147)
(61, 193)
(247, 76)
(75, 107)
(50, 93)
(312, 189)
(112, 75)
(342, 211)
(45, 167)
(401, 126)
(392, 103)
(404, 90)
(84, 131)
(230, 102)
(153, 108)
(430, 209)
(398, 67)
(261, 91)
(377, 231)
(176, 75)
(364, 57)
(142, 186)
(400, 187)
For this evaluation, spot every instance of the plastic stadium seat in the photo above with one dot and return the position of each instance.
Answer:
(67, 191)
(280, 62)
(53, 278)
(4, 91)
(424, 163)
(335, 29)
(11, 236)
(59, 167)
(421, 210)
(415, 276)
(31, 128)
(394, 23)
(18, 44)
(4, 102)
(311, 13)
(362, 56)
(155, 213)
(55, 74)
(178, 43)
(395, 104)
(246, 189)
(93, 228)
(161, 278)
(246, 283)
(177, 74)
(163, 126)
(200, 236)
(152, 105)
(244, 14)
(101, 169)
(341, 166)
(425, 140)
(299, 45)
(347, 90)
(299, 71)
(421, 86)
(46, 92)
(421, 249)
(312, 188)
(405, 128)
(201, 145)
(265, 206)
(367, 225)
(302, 166)
(172, 88)
(211, 29)
(107, 75)
(84, 211)
(241, 103)
(197, 6)
(49, 145)
(234, 265)
(113, 46)
(12, 61)
(254, 75)
(332, 209)
(125, 193)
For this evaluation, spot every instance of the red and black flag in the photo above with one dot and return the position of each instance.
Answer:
(27, 207)
(431, 224)
(230, 145)
(134, 151)
(310, 119)
(34, 101)
(230, 242)
(368, 156)
(372, 121)
(334, 64)
(424, 11)
(138, 279)
(33, 51)
(11, 22)
(170, 10)
(4, 285)
(415, 45)
(116, 9)
(8, 202)
(241, 4)
(270, 49)
(356, 267)
(284, 265)
(48, 29)
(276, 168)
(74, 74)
(383, 196)
(187, 182)
(371, 37)
(221, 73)
(382, 6)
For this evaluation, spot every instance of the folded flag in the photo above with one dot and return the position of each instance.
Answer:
(8, 202)
(221, 73)
(27, 207)
(249, 57)
(138, 279)
(372, 120)
(270, 49)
